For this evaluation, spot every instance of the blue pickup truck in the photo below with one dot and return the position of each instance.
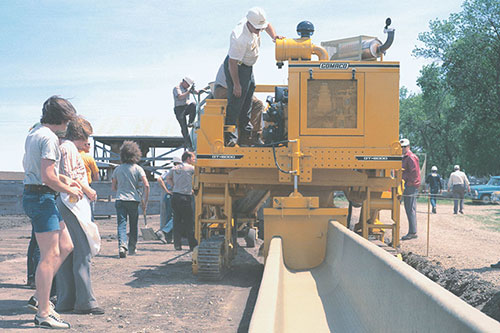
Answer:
(483, 192)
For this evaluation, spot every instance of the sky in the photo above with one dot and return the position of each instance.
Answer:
(118, 61)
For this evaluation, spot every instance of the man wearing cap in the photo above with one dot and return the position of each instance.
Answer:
(411, 176)
(183, 107)
(243, 53)
(457, 183)
(433, 182)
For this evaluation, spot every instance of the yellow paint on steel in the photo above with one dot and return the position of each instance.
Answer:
(342, 125)
(303, 232)
(298, 49)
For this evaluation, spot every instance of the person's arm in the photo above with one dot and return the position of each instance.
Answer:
(449, 183)
(88, 191)
(272, 33)
(466, 182)
(163, 186)
(181, 94)
(94, 170)
(145, 197)
(233, 70)
(50, 179)
(114, 184)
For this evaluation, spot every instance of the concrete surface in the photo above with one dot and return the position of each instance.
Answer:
(358, 288)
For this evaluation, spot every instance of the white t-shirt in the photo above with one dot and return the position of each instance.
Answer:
(41, 143)
(244, 45)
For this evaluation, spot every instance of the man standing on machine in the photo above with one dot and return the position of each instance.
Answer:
(243, 53)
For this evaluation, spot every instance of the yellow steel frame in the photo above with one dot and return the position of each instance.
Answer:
(364, 161)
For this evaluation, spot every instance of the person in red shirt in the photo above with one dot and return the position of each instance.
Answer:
(411, 176)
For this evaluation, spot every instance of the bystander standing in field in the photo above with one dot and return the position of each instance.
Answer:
(90, 166)
(74, 291)
(457, 183)
(126, 181)
(42, 181)
(411, 176)
(433, 182)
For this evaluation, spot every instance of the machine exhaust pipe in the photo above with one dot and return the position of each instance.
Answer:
(390, 37)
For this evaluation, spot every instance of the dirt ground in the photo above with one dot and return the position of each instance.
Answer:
(155, 291)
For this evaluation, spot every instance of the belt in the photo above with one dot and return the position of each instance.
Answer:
(185, 195)
(39, 189)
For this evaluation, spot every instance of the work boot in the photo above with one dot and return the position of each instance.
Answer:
(255, 139)
(244, 139)
(409, 236)
(230, 140)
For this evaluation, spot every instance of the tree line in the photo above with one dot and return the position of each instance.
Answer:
(456, 117)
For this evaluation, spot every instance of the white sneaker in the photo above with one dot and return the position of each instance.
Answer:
(51, 321)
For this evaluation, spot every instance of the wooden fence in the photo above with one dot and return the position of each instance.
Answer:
(11, 195)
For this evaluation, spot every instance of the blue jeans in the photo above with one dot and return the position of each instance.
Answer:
(166, 214)
(410, 202)
(433, 199)
(124, 209)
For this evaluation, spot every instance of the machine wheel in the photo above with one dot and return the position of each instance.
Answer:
(486, 199)
(251, 237)
(211, 260)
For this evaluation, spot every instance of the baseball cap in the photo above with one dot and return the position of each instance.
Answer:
(404, 142)
(434, 168)
(188, 80)
(257, 17)
(456, 167)
(176, 160)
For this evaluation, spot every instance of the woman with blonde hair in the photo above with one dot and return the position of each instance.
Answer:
(126, 181)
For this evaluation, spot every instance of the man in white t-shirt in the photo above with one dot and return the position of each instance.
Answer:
(243, 53)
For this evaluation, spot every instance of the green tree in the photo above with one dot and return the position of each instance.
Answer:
(467, 48)
(427, 119)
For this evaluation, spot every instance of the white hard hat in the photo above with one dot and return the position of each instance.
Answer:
(176, 160)
(257, 17)
(188, 80)
(434, 168)
(456, 167)
(404, 142)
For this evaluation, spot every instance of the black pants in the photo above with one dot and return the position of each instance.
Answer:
(238, 108)
(180, 113)
(183, 219)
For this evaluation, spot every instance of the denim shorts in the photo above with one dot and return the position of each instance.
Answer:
(42, 210)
